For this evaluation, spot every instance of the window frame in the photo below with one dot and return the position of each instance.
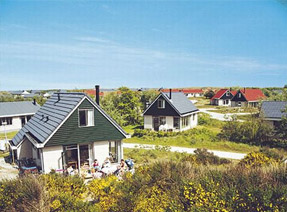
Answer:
(87, 117)
(163, 104)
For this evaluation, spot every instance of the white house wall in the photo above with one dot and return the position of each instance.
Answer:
(16, 125)
(193, 123)
(52, 157)
(25, 150)
(101, 150)
(148, 122)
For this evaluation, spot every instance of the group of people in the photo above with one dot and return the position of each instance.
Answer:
(120, 169)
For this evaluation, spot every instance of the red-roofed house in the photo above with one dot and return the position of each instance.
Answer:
(92, 92)
(193, 92)
(247, 97)
(222, 97)
(187, 92)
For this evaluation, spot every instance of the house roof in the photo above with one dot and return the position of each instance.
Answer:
(273, 109)
(178, 101)
(252, 94)
(192, 91)
(182, 90)
(93, 92)
(10, 109)
(52, 115)
(219, 94)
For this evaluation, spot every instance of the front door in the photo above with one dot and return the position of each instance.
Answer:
(156, 123)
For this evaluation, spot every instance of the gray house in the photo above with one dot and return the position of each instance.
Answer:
(14, 115)
(171, 111)
(272, 111)
(70, 130)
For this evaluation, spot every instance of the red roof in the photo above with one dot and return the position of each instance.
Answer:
(192, 91)
(219, 94)
(233, 92)
(93, 92)
(166, 90)
(252, 94)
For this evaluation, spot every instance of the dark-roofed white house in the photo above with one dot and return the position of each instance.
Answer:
(171, 111)
(273, 111)
(14, 115)
(70, 129)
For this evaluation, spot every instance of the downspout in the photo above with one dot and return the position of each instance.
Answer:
(42, 160)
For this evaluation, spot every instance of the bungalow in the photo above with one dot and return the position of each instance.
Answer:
(70, 129)
(273, 111)
(222, 97)
(193, 92)
(14, 115)
(247, 97)
(170, 111)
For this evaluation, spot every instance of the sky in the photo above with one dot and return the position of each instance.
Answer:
(72, 44)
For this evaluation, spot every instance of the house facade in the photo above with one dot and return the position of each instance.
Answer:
(70, 130)
(170, 112)
(273, 112)
(247, 98)
(222, 97)
(193, 92)
(14, 115)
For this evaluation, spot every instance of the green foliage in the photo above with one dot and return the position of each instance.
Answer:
(209, 94)
(206, 120)
(147, 97)
(24, 194)
(125, 107)
(254, 131)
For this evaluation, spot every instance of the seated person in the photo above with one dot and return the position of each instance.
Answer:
(107, 163)
(96, 165)
(121, 167)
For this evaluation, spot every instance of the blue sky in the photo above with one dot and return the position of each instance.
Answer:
(77, 44)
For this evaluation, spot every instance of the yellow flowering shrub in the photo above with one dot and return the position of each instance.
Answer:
(105, 192)
(200, 197)
(257, 159)
(155, 199)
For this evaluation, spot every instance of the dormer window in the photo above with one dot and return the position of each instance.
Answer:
(161, 103)
(86, 117)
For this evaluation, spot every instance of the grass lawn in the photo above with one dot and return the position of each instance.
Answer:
(202, 102)
(10, 135)
(204, 137)
(225, 110)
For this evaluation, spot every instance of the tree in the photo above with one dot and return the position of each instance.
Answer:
(209, 94)
(147, 97)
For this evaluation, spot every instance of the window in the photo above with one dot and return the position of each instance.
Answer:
(162, 120)
(185, 121)
(114, 151)
(176, 122)
(239, 95)
(225, 102)
(86, 117)
(161, 103)
(227, 93)
(6, 121)
(193, 117)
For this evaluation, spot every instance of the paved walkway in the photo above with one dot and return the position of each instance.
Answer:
(221, 116)
(222, 154)
(7, 171)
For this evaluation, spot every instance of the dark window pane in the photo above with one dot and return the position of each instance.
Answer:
(82, 116)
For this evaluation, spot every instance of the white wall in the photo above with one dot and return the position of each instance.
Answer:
(52, 157)
(101, 150)
(25, 150)
(193, 123)
(16, 125)
(148, 122)
(169, 122)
